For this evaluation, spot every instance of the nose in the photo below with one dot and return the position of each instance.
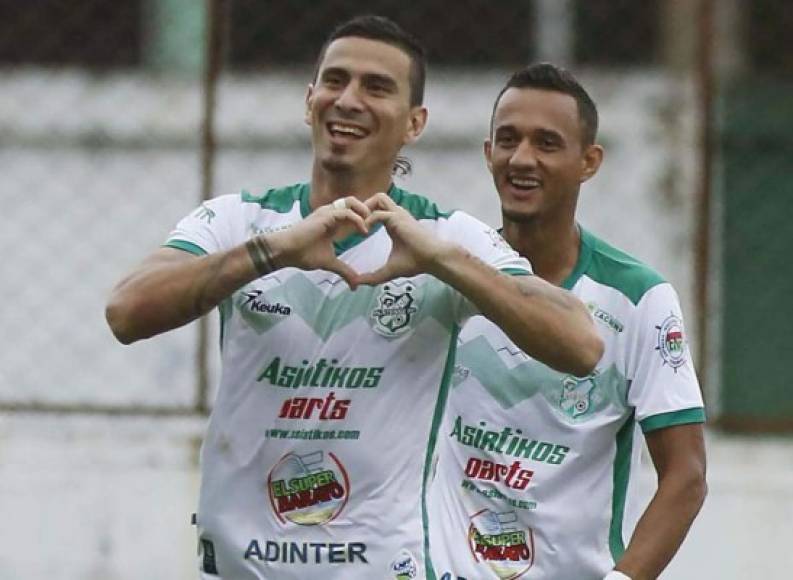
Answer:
(524, 155)
(349, 99)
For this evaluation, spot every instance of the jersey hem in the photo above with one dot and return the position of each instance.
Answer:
(672, 418)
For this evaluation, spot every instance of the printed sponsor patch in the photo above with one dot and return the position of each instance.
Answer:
(404, 566)
(500, 542)
(309, 489)
(671, 342)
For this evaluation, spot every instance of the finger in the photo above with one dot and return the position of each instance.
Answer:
(356, 205)
(348, 215)
(345, 271)
(379, 216)
(379, 276)
(381, 201)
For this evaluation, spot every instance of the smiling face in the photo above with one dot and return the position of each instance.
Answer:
(359, 108)
(537, 156)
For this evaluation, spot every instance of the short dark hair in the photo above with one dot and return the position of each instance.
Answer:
(549, 77)
(385, 30)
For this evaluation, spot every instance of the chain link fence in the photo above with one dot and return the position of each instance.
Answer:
(117, 118)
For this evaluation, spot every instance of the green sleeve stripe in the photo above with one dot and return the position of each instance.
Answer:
(672, 418)
(515, 272)
(186, 247)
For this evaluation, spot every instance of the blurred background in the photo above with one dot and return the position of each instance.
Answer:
(119, 117)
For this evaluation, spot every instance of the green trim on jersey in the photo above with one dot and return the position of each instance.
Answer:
(622, 473)
(419, 207)
(280, 200)
(225, 309)
(188, 247)
(609, 266)
(515, 272)
(672, 418)
(443, 392)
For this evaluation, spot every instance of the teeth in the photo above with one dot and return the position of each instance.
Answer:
(524, 182)
(347, 130)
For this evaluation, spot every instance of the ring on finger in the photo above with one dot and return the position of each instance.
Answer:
(340, 204)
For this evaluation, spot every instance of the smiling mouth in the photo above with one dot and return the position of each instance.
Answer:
(346, 130)
(524, 183)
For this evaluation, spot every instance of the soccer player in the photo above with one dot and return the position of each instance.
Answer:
(340, 303)
(534, 468)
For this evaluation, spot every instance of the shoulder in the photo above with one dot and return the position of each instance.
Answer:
(619, 270)
(279, 200)
(420, 207)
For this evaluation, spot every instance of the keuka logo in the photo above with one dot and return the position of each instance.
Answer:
(498, 541)
(254, 303)
(308, 490)
(396, 306)
(671, 343)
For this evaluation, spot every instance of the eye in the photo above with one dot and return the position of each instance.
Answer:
(549, 143)
(506, 140)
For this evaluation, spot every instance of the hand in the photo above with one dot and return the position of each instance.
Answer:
(308, 245)
(414, 249)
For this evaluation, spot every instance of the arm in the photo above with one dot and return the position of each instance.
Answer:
(544, 321)
(172, 287)
(678, 454)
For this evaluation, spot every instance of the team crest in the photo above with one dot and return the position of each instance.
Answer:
(395, 309)
(579, 396)
(671, 343)
(498, 541)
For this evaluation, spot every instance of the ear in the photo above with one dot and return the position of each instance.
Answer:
(417, 120)
(488, 150)
(590, 161)
(309, 104)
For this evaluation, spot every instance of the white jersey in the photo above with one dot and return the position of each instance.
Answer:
(533, 471)
(319, 444)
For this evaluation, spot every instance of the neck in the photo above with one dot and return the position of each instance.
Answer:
(330, 185)
(552, 248)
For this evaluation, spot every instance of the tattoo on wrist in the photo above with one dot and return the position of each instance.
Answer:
(261, 255)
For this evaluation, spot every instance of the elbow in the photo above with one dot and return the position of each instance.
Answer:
(587, 355)
(119, 318)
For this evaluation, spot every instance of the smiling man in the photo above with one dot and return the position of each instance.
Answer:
(340, 303)
(534, 472)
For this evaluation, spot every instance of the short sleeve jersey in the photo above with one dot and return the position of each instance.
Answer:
(319, 444)
(534, 466)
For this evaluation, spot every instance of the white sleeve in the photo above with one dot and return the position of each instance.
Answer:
(663, 385)
(486, 244)
(212, 227)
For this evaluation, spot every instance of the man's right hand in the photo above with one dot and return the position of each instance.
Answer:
(308, 245)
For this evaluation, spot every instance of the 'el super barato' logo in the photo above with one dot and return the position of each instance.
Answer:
(309, 489)
(500, 542)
